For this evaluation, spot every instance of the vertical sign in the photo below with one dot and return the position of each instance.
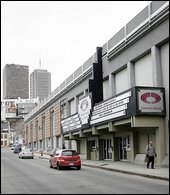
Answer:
(84, 109)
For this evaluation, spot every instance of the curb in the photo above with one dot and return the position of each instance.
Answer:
(117, 170)
(128, 172)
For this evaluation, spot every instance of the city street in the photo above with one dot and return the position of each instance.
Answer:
(33, 176)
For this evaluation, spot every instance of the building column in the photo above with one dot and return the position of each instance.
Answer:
(156, 67)
(112, 88)
(160, 142)
(131, 74)
(76, 103)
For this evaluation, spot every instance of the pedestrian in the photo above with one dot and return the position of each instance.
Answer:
(63, 146)
(151, 154)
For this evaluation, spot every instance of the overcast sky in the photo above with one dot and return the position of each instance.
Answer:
(63, 34)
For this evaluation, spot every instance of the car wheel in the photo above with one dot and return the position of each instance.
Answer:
(32, 157)
(58, 166)
(79, 167)
(50, 165)
(22, 157)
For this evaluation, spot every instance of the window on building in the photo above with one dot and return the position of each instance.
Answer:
(63, 110)
(106, 94)
(1, 136)
(31, 132)
(26, 136)
(143, 71)
(57, 142)
(36, 128)
(93, 145)
(72, 107)
(52, 123)
(5, 136)
(121, 80)
(79, 97)
(43, 126)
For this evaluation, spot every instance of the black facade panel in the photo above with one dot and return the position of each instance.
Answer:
(96, 84)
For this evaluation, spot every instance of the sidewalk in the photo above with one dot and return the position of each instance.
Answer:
(124, 167)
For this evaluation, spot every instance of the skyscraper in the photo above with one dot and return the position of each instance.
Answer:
(15, 81)
(40, 84)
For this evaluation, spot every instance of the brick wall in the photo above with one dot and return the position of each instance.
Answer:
(39, 127)
(33, 130)
(47, 124)
(57, 119)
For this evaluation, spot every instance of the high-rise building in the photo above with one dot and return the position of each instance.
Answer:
(15, 81)
(40, 84)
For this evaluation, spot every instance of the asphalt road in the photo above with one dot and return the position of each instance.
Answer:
(33, 176)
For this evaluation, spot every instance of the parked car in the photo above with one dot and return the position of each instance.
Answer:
(26, 153)
(17, 149)
(14, 146)
(64, 158)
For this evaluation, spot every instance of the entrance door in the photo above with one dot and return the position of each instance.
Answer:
(107, 149)
(123, 144)
(92, 149)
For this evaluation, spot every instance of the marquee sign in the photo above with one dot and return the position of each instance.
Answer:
(110, 109)
(81, 118)
(71, 123)
(133, 102)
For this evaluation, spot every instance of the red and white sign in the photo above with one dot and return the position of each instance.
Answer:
(150, 100)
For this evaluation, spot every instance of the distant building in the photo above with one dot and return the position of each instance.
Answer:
(25, 106)
(40, 84)
(17, 108)
(5, 140)
(13, 112)
(15, 81)
(7, 134)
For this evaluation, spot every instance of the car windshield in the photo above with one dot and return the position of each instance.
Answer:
(69, 153)
(26, 150)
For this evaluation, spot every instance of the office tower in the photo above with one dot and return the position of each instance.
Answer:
(40, 84)
(15, 81)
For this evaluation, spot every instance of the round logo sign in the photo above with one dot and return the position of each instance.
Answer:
(150, 98)
(84, 105)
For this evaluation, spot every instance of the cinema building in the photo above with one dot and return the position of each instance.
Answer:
(117, 100)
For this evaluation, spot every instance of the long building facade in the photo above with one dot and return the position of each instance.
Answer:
(118, 100)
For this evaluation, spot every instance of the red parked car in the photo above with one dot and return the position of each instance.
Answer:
(64, 158)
